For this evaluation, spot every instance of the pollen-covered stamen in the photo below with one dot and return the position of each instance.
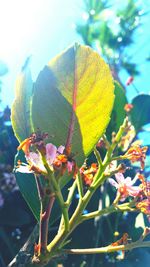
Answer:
(63, 163)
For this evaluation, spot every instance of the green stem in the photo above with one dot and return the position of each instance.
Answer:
(76, 218)
(98, 157)
(68, 202)
(108, 249)
(57, 191)
(117, 140)
(118, 158)
(71, 193)
(109, 210)
(80, 186)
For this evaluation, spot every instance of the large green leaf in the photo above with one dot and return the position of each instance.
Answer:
(74, 94)
(118, 113)
(140, 114)
(20, 113)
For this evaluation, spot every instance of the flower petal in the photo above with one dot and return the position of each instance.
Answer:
(33, 158)
(119, 177)
(113, 182)
(128, 181)
(23, 169)
(50, 152)
(133, 190)
(61, 149)
(69, 166)
(123, 198)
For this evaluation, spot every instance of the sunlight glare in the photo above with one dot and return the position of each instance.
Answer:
(17, 24)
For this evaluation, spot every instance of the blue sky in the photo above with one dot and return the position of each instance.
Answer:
(42, 28)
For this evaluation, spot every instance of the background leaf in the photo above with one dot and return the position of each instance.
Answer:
(77, 81)
(140, 114)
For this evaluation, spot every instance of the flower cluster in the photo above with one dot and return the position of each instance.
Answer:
(56, 158)
(125, 188)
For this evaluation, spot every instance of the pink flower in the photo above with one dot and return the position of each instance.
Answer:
(35, 164)
(125, 186)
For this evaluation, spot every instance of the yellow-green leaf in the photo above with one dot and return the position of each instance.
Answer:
(73, 99)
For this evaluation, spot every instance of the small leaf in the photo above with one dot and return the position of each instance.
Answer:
(20, 113)
(118, 113)
(73, 99)
(140, 114)
(28, 188)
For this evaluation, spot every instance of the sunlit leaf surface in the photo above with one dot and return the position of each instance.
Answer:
(73, 99)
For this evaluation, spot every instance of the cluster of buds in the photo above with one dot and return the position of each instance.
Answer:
(144, 204)
(136, 154)
(127, 138)
(87, 174)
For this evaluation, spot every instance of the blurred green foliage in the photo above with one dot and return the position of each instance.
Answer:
(111, 30)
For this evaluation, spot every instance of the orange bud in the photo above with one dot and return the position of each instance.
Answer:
(129, 80)
(128, 107)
